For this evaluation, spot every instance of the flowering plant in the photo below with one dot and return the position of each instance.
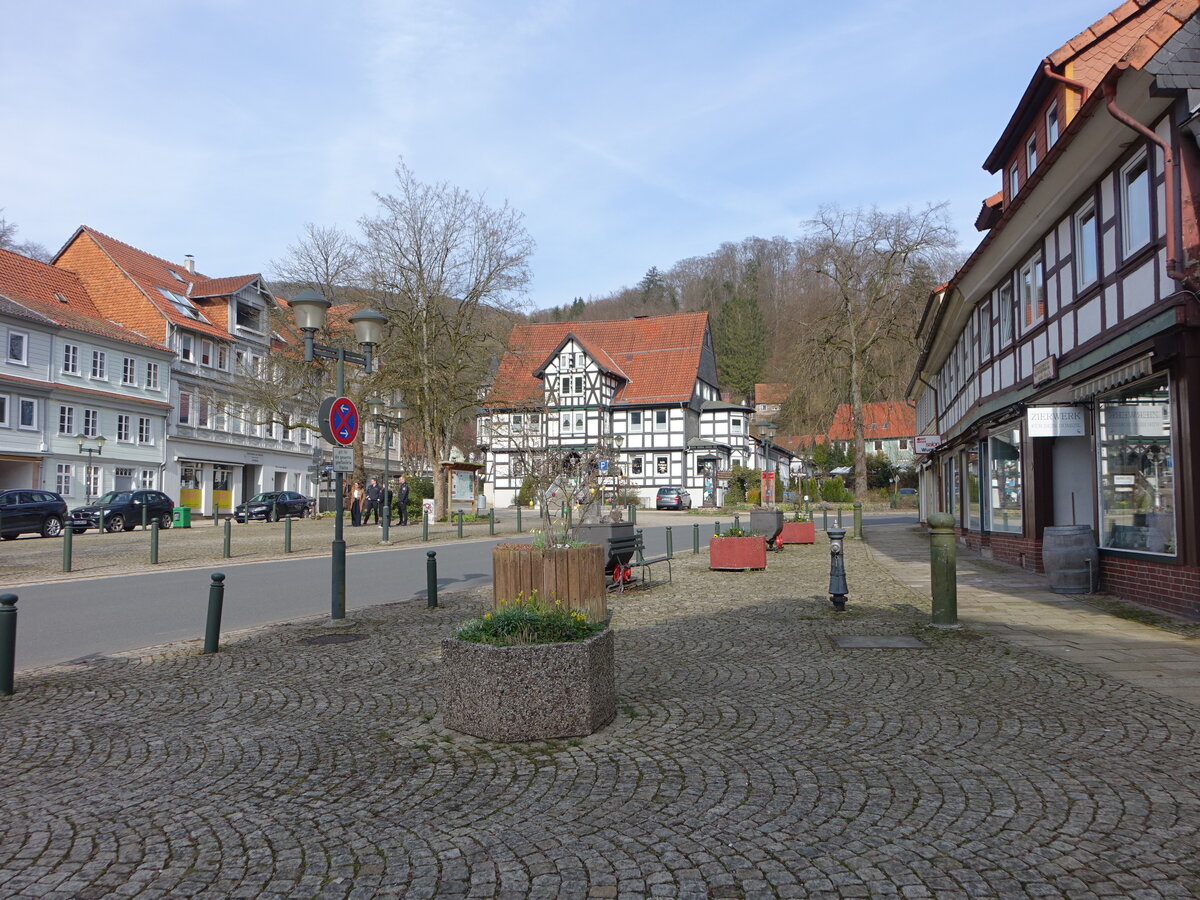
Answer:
(527, 620)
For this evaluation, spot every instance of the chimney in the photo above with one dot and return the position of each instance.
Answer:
(189, 263)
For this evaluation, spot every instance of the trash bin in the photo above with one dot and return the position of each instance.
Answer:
(182, 517)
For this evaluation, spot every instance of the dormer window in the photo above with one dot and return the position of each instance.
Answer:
(1031, 155)
(249, 316)
(1051, 126)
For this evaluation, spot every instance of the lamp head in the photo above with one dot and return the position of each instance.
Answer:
(368, 327)
(309, 309)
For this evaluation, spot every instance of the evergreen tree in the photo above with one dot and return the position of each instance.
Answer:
(740, 342)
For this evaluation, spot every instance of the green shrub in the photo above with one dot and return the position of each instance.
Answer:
(529, 621)
(753, 497)
(834, 491)
(528, 492)
(734, 494)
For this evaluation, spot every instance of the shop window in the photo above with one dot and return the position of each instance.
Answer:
(1137, 473)
(1004, 482)
(974, 500)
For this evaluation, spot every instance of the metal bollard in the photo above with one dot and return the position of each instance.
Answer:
(825, 518)
(145, 511)
(943, 577)
(670, 547)
(154, 543)
(492, 520)
(225, 552)
(460, 521)
(274, 511)
(857, 520)
(838, 588)
(68, 541)
(633, 513)
(424, 525)
(696, 538)
(737, 523)
(717, 529)
(216, 600)
(216, 514)
(518, 518)
(640, 544)
(287, 535)
(8, 642)
(839, 517)
(431, 580)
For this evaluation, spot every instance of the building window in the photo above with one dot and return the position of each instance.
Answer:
(185, 347)
(1086, 248)
(27, 414)
(128, 371)
(91, 422)
(1033, 292)
(99, 364)
(62, 478)
(70, 359)
(660, 420)
(122, 427)
(735, 425)
(1004, 481)
(185, 408)
(903, 443)
(1014, 180)
(566, 386)
(91, 478)
(145, 435)
(635, 465)
(985, 330)
(4, 410)
(1004, 310)
(579, 384)
(879, 446)
(149, 479)
(122, 479)
(974, 509)
(201, 413)
(222, 357)
(1051, 126)
(206, 352)
(1137, 470)
(1135, 193)
(18, 348)
(66, 420)
(151, 376)
(1031, 155)
(662, 465)
(249, 316)
(635, 420)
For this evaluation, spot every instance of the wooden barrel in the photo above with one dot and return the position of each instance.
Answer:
(1070, 558)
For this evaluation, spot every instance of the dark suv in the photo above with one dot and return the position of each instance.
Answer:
(673, 498)
(31, 511)
(123, 511)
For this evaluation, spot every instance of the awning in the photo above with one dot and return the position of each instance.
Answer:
(1131, 371)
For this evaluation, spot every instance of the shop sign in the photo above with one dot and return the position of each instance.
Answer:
(1141, 420)
(1055, 421)
(926, 443)
(1045, 370)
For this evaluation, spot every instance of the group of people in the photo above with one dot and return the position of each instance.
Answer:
(377, 499)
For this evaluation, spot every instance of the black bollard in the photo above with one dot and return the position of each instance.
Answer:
(154, 543)
(225, 550)
(216, 600)
(68, 541)
(696, 538)
(518, 518)
(670, 546)
(287, 535)
(8, 642)
(424, 525)
(492, 520)
(431, 580)
(838, 588)
(144, 512)
(460, 522)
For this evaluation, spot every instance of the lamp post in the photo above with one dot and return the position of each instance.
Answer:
(766, 430)
(98, 450)
(309, 309)
(617, 441)
(388, 424)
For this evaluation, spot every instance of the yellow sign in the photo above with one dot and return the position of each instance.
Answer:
(191, 497)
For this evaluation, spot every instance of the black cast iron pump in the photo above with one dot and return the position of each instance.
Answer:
(837, 569)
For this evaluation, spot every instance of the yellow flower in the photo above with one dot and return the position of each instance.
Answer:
(487, 615)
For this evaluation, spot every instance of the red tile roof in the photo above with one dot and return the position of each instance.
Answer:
(660, 355)
(38, 287)
(880, 420)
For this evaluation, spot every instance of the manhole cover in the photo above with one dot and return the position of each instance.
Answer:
(335, 639)
(877, 642)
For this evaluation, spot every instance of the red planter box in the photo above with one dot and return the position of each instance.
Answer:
(798, 533)
(737, 553)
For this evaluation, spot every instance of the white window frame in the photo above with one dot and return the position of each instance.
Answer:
(5, 403)
(186, 347)
(735, 425)
(184, 410)
(129, 371)
(635, 420)
(31, 404)
(1052, 126)
(23, 358)
(1031, 157)
(91, 480)
(99, 365)
(1014, 180)
(152, 376)
(662, 465)
(206, 352)
(637, 466)
(145, 431)
(63, 476)
(1036, 273)
(1083, 279)
(91, 422)
(1005, 311)
(149, 479)
(1131, 242)
(665, 425)
(66, 420)
(70, 363)
(123, 427)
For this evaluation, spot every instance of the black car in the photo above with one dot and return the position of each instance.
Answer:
(122, 511)
(673, 498)
(31, 512)
(271, 506)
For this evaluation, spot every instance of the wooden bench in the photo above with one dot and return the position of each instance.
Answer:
(628, 553)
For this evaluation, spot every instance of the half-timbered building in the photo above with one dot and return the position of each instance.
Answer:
(1059, 368)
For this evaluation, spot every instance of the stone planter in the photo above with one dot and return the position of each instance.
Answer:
(798, 533)
(572, 575)
(529, 693)
(737, 553)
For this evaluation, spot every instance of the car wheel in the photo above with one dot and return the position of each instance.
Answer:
(273, 516)
(116, 523)
(52, 527)
(165, 520)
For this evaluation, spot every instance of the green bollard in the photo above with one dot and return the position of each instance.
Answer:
(144, 513)
(460, 521)
(696, 538)
(670, 547)
(216, 600)
(825, 518)
(227, 538)
(839, 517)
(633, 513)
(424, 525)
(943, 578)
(737, 523)
(8, 642)
(640, 556)
(68, 540)
(518, 518)
(275, 511)
(154, 543)
(857, 520)
(431, 580)
(717, 529)
(287, 535)
(216, 514)
(492, 520)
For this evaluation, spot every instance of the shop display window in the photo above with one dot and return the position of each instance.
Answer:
(1004, 509)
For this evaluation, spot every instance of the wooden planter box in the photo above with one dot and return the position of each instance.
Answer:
(573, 575)
(529, 693)
(798, 533)
(737, 553)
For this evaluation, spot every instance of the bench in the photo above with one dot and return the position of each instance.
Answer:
(626, 553)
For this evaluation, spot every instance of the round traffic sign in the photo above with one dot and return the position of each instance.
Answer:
(339, 420)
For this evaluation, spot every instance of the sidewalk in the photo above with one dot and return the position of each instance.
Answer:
(750, 757)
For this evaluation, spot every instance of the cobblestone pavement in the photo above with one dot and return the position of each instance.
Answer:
(749, 758)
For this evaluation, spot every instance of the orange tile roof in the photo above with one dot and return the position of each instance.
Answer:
(889, 418)
(38, 287)
(659, 355)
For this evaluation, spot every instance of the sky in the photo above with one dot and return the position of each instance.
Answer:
(629, 134)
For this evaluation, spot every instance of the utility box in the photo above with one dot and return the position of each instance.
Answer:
(182, 517)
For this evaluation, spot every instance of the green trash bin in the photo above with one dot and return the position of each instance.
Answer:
(182, 517)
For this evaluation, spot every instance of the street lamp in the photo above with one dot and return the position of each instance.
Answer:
(766, 430)
(309, 309)
(98, 450)
(388, 424)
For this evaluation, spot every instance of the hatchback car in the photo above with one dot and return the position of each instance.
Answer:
(122, 511)
(673, 498)
(31, 512)
(271, 506)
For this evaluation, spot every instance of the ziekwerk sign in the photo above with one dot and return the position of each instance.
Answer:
(1055, 421)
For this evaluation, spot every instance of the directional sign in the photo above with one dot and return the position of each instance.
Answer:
(339, 420)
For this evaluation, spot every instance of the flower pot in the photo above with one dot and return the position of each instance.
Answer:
(737, 553)
(573, 576)
(798, 533)
(534, 692)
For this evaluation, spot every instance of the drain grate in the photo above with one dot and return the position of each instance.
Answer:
(335, 639)
(877, 642)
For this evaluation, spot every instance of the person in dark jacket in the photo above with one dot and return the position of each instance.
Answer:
(402, 500)
(374, 503)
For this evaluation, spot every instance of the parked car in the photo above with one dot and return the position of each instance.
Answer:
(907, 492)
(673, 498)
(31, 512)
(122, 511)
(271, 506)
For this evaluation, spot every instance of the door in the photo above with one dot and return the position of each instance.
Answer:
(1074, 481)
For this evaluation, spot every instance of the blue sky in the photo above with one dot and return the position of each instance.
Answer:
(630, 134)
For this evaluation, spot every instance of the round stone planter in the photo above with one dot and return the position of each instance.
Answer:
(529, 693)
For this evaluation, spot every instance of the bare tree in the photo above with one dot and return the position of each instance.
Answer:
(449, 272)
(325, 259)
(8, 241)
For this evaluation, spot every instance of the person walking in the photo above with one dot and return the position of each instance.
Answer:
(356, 501)
(374, 503)
(402, 498)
